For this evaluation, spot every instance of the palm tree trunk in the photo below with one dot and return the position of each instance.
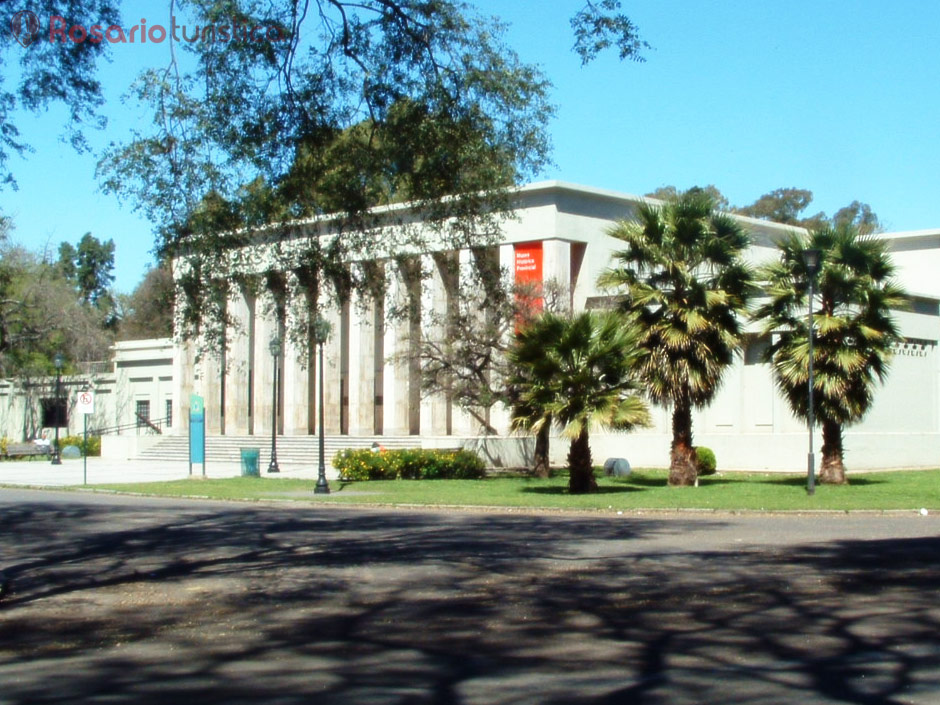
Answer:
(683, 469)
(831, 470)
(542, 468)
(581, 469)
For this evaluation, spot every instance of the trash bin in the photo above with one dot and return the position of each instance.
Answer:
(250, 462)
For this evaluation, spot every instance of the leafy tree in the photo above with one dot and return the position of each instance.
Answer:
(685, 284)
(91, 268)
(147, 312)
(854, 330)
(47, 73)
(577, 373)
(41, 315)
(669, 193)
(598, 26)
(50, 73)
(357, 105)
(464, 351)
(783, 205)
(860, 216)
(66, 263)
(786, 205)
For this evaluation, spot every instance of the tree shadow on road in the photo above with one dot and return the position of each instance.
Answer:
(235, 604)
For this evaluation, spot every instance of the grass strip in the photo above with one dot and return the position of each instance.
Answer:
(643, 489)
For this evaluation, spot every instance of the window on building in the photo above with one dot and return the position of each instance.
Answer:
(755, 349)
(168, 418)
(143, 412)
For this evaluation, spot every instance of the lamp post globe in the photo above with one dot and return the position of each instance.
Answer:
(321, 333)
(275, 347)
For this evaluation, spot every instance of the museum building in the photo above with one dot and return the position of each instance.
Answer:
(557, 234)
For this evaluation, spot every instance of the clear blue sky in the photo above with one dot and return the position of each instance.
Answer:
(839, 97)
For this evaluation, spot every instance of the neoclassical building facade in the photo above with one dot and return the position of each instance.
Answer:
(558, 233)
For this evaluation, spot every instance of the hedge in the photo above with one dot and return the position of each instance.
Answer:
(94, 444)
(408, 464)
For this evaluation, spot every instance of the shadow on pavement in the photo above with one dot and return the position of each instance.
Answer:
(242, 604)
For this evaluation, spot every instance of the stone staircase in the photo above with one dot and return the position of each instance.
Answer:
(290, 449)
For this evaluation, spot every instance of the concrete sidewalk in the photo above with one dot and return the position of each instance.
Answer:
(41, 473)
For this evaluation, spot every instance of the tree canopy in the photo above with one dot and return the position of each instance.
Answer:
(685, 284)
(854, 329)
(578, 372)
(41, 314)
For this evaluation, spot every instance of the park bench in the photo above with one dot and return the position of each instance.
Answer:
(26, 450)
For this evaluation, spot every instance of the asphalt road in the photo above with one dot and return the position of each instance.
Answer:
(128, 600)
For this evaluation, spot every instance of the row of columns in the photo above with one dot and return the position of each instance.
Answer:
(372, 374)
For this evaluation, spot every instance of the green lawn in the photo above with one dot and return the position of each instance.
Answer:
(644, 489)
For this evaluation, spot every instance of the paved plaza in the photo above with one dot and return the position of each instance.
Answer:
(117, 599)
(99, 471)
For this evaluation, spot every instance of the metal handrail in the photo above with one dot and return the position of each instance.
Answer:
(155, 425)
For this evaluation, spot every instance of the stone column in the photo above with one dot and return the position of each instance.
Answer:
(362, 337)
(238, 361)
(266, 327)
(397, 349)
(334, 354)
(434, 409)
(556, 274)
(212, 391)
(296, 387)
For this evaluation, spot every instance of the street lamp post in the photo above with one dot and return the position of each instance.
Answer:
(811, 260)
(275, 347)
(321, 332)
(58, 362)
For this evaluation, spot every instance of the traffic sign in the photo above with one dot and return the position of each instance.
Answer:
(86, 402)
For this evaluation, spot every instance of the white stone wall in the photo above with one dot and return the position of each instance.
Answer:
(749, 425)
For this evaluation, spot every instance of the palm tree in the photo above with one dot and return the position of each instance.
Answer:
(577, 372)
(684, 282)
(854, 329)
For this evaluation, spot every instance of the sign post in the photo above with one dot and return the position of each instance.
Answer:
(197, 433)
(85, 406)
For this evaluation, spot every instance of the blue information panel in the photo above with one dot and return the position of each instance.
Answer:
(197, 430)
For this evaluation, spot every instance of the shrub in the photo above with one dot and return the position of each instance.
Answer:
(4, 444)
(705, 458)
(408, 464)
(94, 444)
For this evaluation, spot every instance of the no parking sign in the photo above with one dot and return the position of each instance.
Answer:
(86, 402)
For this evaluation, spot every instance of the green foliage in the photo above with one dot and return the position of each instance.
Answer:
(408, 464)
(4, 443)
(50, 72)
(92, 449)
(854, 327)
(577, 373)
(684, 282)
(705, 458)
(671, 193)
(598, 26)
(147, 312)
(90, 269)
(786, 205)
(41, 315)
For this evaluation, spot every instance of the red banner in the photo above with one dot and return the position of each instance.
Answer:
(529, 275)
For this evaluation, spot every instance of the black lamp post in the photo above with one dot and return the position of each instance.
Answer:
(321, 333)
(811, 259)
(58, 362)
(275, 347)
